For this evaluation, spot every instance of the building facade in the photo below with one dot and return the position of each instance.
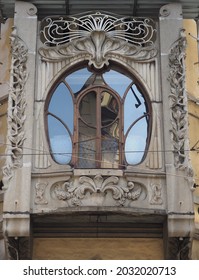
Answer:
(99, 114)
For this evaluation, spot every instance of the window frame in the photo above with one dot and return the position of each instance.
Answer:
(142, 89)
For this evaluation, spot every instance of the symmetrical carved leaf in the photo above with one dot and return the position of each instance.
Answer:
(98, 36)
(99, 185)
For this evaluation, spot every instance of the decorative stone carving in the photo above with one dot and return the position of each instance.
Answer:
(17, 105)
(165, 11)
(98, 37)
(39, 194)
(156, 197)
(76, 191)
(178, 105)
(178, 100)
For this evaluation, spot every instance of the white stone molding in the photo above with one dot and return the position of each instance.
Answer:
(98, 188)
(98, 37)
(17, 105)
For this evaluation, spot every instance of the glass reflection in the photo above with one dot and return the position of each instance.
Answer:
(110, 146)
(109, 108)
(61, 105)
(134, 107)
(77, 79)
(135, 143)
(87, 108)
(87, 146)
(60, 141)
(117, 81)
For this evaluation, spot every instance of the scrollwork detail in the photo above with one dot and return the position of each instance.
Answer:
(99, 185)
(98, 36)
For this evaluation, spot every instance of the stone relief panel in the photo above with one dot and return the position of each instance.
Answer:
(178, 99)
(97, 191)
(156, 194)
(178, 107)
(17, 105)
(40, 189)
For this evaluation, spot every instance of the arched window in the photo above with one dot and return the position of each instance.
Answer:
(98, 120)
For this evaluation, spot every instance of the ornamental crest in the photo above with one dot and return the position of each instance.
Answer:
(98, 37)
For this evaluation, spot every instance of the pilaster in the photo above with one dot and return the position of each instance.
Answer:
(179, 174)
(17, 170)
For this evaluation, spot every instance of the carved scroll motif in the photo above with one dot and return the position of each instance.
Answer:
(98, 185)
(16, 106)
(98, 37)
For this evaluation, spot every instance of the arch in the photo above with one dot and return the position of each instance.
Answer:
(78, 82)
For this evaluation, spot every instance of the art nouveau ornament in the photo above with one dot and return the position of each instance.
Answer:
(98, 37)
(17, 105)
(98, 188)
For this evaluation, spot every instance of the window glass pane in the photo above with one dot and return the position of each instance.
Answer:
(87, 108)
(134, 107)
(87, 146)
(117, 81)
(77, 79)
(60, 141)
(135, 144)
(110, 146)
(109, 108)
(61, 105)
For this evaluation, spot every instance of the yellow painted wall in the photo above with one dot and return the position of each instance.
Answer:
(5, 57)
(98, 248)
(192, 87)
(5, 62)
(3, 133)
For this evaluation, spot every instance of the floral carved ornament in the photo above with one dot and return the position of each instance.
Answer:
(75, 193)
